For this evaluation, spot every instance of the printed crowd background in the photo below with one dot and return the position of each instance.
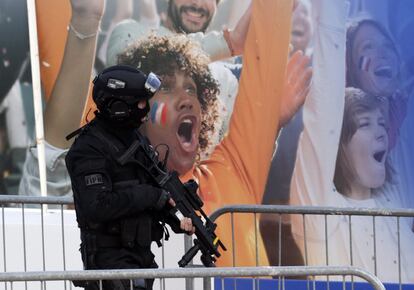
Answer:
(379, 61)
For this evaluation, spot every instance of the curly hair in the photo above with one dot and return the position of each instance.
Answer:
(167, 54)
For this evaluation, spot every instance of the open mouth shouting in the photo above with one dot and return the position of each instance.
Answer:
(298, 32)
(382, 78)
(187, 133)
(384, 71)
(379, 156)
(376, 168)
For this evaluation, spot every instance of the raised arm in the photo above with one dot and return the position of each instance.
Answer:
(255, 120)
(148, 12)
(217, 44)
(236, 10)
(312, 181)
(65, 106)
(224, 44)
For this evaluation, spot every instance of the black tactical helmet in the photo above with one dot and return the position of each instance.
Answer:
(118, 89)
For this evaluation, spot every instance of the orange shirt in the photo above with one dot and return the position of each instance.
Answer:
(237, 170)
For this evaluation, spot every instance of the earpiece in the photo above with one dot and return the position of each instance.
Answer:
(118, 109)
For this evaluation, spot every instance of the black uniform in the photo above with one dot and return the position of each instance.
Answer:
(118, 210)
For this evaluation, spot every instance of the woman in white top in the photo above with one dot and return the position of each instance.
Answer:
(362, 177)
(374, 65)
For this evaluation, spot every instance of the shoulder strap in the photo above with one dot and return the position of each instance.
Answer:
(113, 144)
(76, 132)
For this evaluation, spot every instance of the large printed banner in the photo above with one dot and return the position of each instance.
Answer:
(254, 139)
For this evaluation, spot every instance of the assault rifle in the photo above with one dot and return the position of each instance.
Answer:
(188, 203)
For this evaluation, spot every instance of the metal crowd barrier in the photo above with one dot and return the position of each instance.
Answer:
(16, 213)
(35, 250)
(326, 213)
(40, 234)
(37, 280)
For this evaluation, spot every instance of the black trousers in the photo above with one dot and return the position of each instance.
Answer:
(137, 284)
(121, 258)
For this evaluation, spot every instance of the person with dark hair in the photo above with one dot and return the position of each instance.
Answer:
(362, 177)
(187, 17)
(119, 209)
(192, 19)
(150, 55)
(372, 58)
(187, 100)
(375, 66)
(353, 160)
(348, 167)
(183, 108)
(184, 17)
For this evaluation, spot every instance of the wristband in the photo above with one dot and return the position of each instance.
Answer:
(80, 35)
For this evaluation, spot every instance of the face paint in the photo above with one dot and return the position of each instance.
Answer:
(364, 63)
(159, 113)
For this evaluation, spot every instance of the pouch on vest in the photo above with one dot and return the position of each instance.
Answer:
(157, 233)
(144, 232)
(128, 232)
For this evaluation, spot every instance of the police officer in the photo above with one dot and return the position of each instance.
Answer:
(119, 211)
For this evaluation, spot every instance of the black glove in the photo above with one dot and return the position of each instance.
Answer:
(163, 200)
